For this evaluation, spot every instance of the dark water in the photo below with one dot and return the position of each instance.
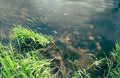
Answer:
(83, 27)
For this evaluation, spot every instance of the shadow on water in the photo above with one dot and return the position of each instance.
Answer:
(106, 24)
(117, 6)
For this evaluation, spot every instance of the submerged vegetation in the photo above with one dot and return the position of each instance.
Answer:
(33, 55)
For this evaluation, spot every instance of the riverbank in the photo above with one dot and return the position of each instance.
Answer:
(32, 55)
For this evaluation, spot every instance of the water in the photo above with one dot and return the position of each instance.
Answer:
(81, 27)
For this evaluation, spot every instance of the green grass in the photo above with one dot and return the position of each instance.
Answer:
(21, 33)
(24, 39)
(29, 67)
(110, 64)
(115, 73)
(82, 73)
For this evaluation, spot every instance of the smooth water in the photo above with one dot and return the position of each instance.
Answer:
(84, 27)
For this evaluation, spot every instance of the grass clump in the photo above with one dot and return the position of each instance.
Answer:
(31, 64)
(115, 73)
(108, 67)
(25, 39)
(22, 32)
(30, 67)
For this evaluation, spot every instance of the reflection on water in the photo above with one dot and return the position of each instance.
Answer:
(81, 27)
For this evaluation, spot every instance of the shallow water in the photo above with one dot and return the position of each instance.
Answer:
(84, 27)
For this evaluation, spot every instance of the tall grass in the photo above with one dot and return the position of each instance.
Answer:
(31, 64)
(115, 73)
(25, 67)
